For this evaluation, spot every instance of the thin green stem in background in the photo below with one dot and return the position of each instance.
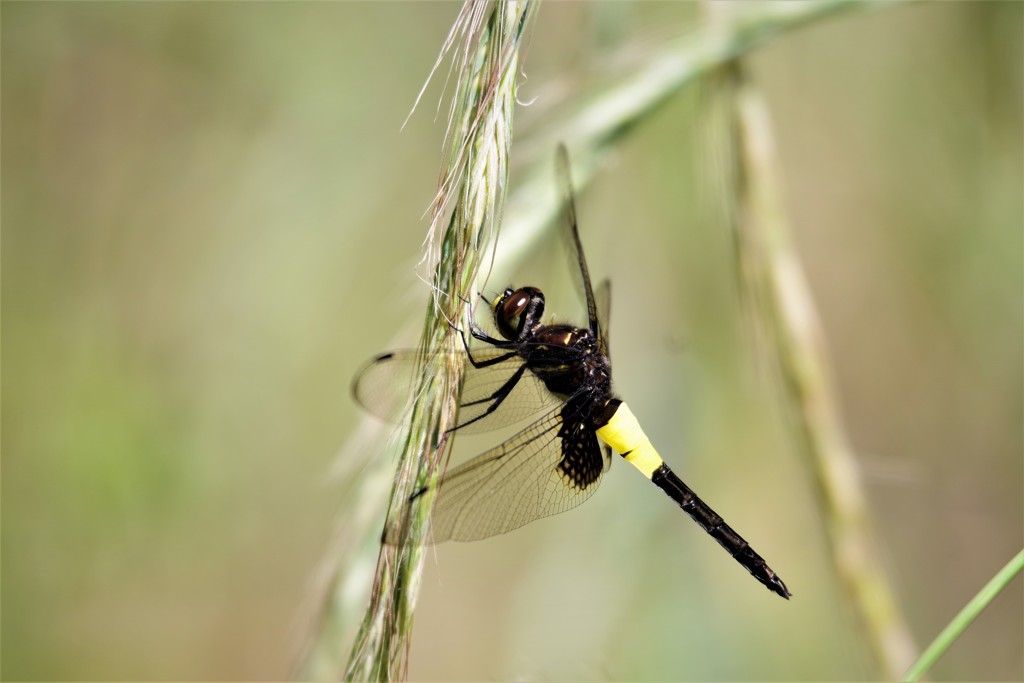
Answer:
(962, 620)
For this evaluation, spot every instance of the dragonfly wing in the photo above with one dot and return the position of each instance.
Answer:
(385, 387)
(603, 298)
(500, 395)
(562, 170)
(552, 466)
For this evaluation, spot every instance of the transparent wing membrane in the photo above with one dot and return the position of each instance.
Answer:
(386, 384)
(551, 466)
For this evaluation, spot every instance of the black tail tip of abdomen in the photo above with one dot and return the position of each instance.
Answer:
(775, 585)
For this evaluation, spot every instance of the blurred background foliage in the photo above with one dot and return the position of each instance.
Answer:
(211, 218)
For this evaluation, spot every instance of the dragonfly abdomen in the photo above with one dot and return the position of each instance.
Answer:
(623, 433)
(712, 523)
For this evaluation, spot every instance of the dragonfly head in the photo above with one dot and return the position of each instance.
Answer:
(518, 310)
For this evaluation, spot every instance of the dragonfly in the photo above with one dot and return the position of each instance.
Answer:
(559, 376)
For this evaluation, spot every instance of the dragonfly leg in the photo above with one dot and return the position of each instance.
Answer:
(478, 333)
(496, 398)
(483, 363)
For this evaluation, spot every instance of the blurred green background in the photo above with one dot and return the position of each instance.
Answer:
(211, 218)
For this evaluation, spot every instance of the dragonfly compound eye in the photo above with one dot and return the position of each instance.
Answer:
(508, 312)
(514, 310)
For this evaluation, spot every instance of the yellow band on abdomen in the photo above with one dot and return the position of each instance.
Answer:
(624, 435)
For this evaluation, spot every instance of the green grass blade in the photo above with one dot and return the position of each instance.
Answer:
(962, 620)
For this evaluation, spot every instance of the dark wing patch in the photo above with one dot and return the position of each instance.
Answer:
(549, 467)
(582, 463)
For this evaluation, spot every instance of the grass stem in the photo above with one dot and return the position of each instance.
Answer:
(779, 300)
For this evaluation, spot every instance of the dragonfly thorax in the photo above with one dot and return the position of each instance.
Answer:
(569, 361)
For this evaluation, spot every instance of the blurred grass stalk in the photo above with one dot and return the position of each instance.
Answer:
(780, 303)
(473, 185)
(484, 43)
(594, 122)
